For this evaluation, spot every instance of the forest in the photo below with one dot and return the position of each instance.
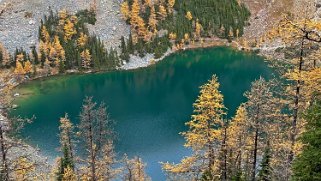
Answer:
(274, 135)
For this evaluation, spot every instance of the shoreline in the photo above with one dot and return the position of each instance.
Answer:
(135, 63)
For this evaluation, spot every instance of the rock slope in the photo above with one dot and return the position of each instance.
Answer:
(20, 19)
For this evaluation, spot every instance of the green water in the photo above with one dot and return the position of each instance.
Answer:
(149, 105)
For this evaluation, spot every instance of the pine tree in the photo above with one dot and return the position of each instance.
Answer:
(307, 164)
(265, 171)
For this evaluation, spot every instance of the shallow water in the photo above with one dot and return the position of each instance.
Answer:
(149, 105)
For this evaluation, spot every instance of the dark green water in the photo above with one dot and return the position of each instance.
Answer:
(150, 105)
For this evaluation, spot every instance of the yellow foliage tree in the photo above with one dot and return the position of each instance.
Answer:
(124, 9)
(204, 134)
(162, 12)
(69, 30)
(69, 175)
(28, 67)
(62, 14)
(152, 21)
(45, 35)
(24, 169)
(19, 69)
(198, 29)
(82, 40)
(5, 55)
(86, 58)
(170, 5)
(189, 15)
(172, 36)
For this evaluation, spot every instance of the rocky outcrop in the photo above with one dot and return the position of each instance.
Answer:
(20, 20)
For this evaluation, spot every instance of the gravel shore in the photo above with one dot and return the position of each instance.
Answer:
(136, 62)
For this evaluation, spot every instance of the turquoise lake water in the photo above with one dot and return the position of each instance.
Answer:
(150, 105)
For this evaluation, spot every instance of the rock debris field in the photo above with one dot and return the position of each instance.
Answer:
(20, 19)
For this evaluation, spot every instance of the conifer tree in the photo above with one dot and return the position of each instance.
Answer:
(86, 59)
(204, 135)
(124, 9)
(134, 169)
(262, 110)
(162, 12)
(265, 171)
(24, 169)
(96, 133)
(189, 15)
(67, 160)
(152, 21)
(69, 30)
(307, 164)
(19, 70)
(82, 40)
(28, 67)
(170, 5)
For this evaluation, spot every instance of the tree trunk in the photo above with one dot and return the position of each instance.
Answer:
(255, 154)
(211, 159)
(224, 150)
(92, 151)
(296, 105)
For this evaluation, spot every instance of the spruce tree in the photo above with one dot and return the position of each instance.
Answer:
(307, 165)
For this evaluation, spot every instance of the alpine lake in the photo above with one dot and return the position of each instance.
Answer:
(149, 105)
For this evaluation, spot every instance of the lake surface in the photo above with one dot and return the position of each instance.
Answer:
(149, 105)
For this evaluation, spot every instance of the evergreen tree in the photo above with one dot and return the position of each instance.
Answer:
(307, 165)
(67, 160)
(265, 171)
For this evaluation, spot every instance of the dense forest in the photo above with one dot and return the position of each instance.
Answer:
(64, 44)
(153, 24)
(274, 135)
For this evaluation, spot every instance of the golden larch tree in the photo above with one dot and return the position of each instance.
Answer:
(86, 59)
(204, 135)
(152, 21)
(28, 67)
(124, 9)
(82, 40)
(162, 12)
(189, 15)
(69, 30)
(170, 5)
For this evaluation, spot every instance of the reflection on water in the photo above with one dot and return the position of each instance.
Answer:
(150, 105)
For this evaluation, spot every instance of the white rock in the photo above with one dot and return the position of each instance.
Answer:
(32, 22)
